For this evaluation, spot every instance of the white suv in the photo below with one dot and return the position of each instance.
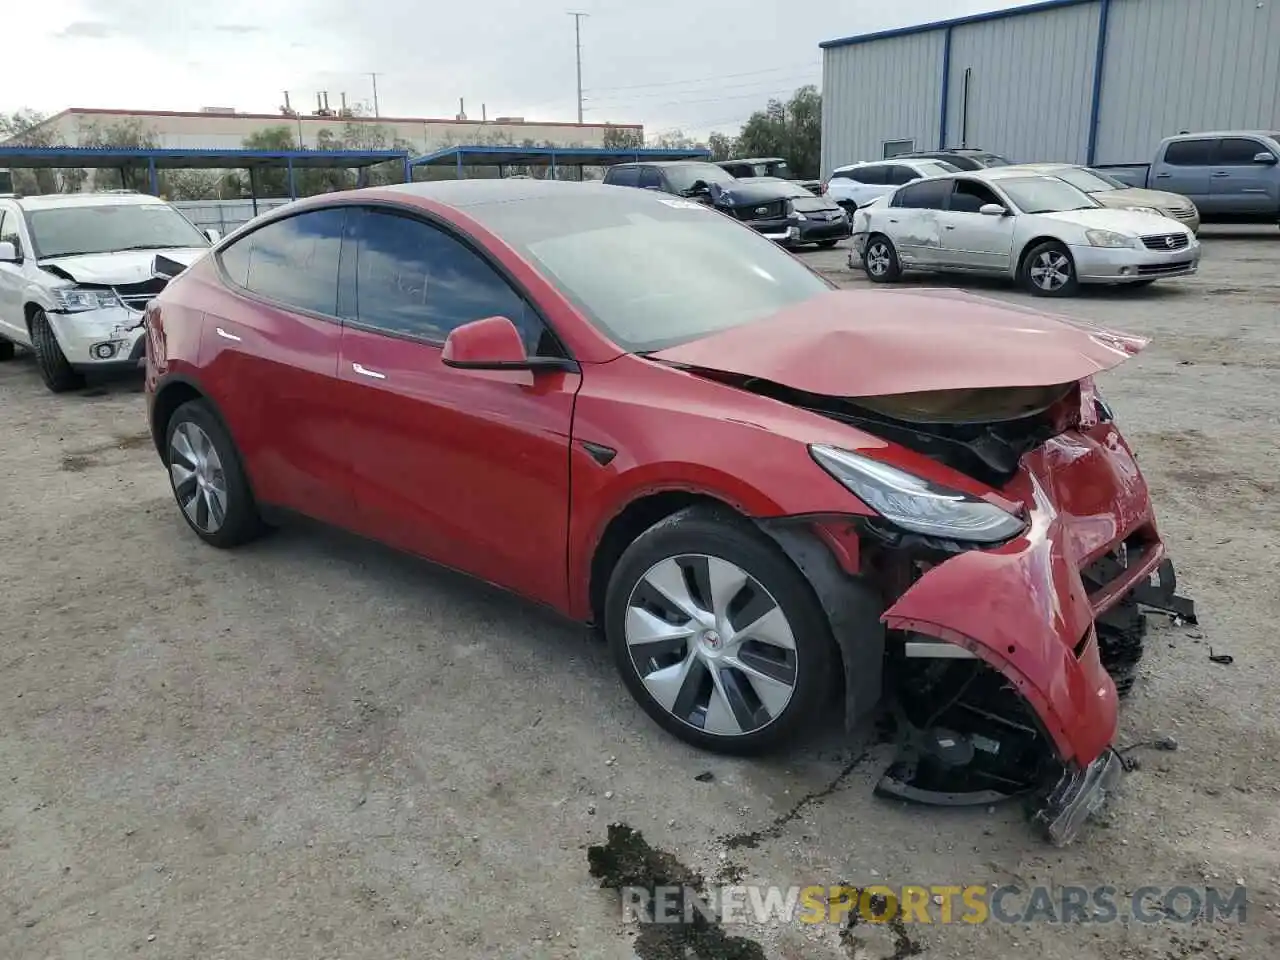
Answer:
(76, 272)
(858, 184)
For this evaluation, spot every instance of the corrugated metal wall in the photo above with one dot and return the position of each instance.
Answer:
(878, 91)
(1175, 65)
(1031, 84)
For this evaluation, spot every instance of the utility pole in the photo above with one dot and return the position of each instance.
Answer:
(577, 37)
(374, 78)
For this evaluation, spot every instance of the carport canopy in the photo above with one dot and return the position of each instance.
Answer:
(459, 157)
(154, 159)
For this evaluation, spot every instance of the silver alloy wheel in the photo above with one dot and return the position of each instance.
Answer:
(711, 645)
(199, 482)
(878, 258)
(1050, 270)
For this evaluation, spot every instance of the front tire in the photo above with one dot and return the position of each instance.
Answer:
(880, 260)
(1049, 271)
(55, 371)
(207, 479)
(717, 635)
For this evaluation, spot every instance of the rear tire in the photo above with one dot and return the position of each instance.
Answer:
(207, 478)
(1137, 284)
(55, 371)
(880, 259)
(1049, 271)
(717, 635)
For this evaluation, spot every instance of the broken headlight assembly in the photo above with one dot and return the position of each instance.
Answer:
(915, 504)
(79, 299)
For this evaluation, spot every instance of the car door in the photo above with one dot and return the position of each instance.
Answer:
(12, 322)
(1184, 169)
(269, 359)
(469, 468)
(913, 221)
(1238, 184)
(971, 240)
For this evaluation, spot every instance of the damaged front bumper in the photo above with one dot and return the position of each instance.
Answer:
(1004, 658)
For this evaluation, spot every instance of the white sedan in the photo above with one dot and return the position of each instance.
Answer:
(1037, 230)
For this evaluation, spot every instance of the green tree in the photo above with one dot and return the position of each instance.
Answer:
(621, 138)
(125, 135)
(792, 130)
(722, 146)
(25, 128)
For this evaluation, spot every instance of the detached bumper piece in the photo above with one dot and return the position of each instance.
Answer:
(1078, 795)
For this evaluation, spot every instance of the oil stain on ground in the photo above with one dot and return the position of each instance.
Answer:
(779, 823)
(903, 946)
(625, 860)
(77, 461)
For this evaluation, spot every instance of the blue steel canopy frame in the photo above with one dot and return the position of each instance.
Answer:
(459, 157)
(32, 158)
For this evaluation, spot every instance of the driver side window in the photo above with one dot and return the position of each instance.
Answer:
(649, 177)
(413, 279)
(970, 196)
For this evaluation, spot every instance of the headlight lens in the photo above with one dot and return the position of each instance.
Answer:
(1151, 210)
(1108, 238)
(915, 504)
(76, 299)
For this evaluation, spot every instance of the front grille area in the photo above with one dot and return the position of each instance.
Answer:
(1166, 241)
(774, 210)
(1156, 269)
(136, 296)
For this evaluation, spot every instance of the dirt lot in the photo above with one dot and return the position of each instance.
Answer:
(316, 748)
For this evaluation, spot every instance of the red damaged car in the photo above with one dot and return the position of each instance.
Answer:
(766, 491)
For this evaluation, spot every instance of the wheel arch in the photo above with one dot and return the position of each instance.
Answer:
(1030, 245)
(170, 394)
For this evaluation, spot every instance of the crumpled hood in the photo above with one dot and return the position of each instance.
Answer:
(877, 343)
(1141, 197)
(126, 266)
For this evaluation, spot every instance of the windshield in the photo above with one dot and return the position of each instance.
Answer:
(650, 270)
(1088, 180)
(63, 231)
(1045, 195)
(773, 168)
(684, 175)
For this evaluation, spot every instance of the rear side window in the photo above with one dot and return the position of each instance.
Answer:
(293, 262)
(902, 174)
(623, 176)
(1239, 151)
(873, 176)
(1189, 153)
(414, 279)
(649, 177)
(929, 195)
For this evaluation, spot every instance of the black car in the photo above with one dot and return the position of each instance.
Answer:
(782, 210)
(768, 167)
(965, 158)
(684, 178)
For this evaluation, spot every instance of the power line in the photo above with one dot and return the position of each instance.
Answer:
(722, 76)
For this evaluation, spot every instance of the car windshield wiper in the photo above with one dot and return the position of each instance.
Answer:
(152, 246)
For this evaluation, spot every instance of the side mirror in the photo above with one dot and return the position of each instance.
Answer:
(1265, 157)
(213, 235)
(493, 343)
(992, 210)
(9, 253)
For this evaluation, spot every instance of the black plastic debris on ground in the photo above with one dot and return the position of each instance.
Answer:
(626, 860)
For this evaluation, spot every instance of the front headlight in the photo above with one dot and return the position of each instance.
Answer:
(1108, 238)
(78, 299)
(795, 214)
(1152, 210)
(915, 504)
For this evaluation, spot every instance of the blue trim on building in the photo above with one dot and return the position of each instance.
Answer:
(946, 90)
(1099, 61)
(1040, 7)
(495, 154)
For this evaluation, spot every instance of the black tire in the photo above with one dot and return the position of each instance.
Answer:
(716, 533)
(828, 244)
(1062, 258)
(1139, 284)
(241, 521)
(848, 206)
(6, 350)
(892, 269)
(55, 371)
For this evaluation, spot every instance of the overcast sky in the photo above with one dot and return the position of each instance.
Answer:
(691, 64)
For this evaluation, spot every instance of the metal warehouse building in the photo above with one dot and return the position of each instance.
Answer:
(1084, 81)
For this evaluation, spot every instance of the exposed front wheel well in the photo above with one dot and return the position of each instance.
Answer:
(637, 517)
(169, 399)
(29, 311)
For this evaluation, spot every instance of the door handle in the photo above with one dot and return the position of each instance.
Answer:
(949, 226)
(366, 372)
(1217, 175)
(1163, 176)
(227, 336)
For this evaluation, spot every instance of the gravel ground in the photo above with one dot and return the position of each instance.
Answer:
(316, 748)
